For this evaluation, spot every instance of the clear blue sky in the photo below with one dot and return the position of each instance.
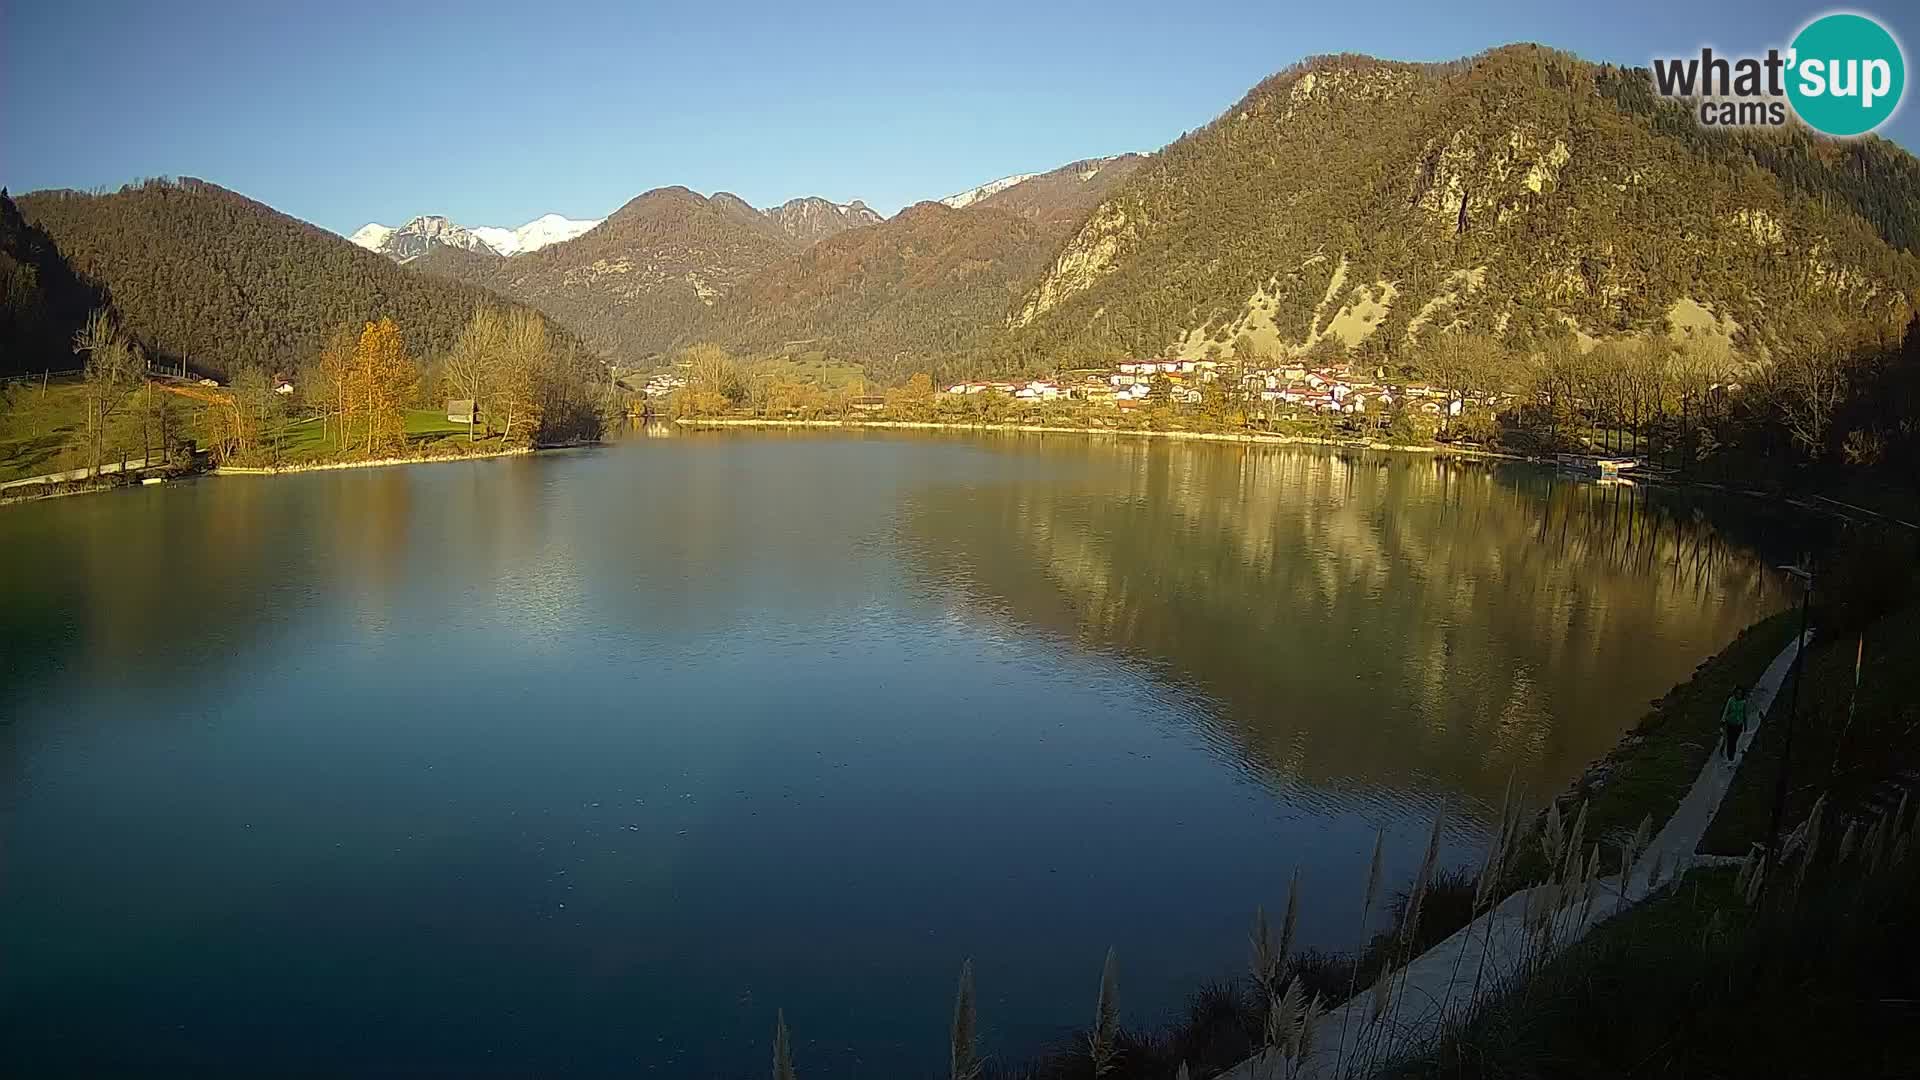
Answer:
(343, 112)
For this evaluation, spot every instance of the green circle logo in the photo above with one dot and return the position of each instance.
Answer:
(1847, 74)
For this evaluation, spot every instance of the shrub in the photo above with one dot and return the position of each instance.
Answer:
(1448, 906)
(1477, 426)
(1411, 429)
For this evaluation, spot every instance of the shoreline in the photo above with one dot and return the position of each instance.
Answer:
(25, 492)
(1253, 438)
(1421, 1008)
(1629, 739)
(40, 492)
(373, 463)
(1812, 502)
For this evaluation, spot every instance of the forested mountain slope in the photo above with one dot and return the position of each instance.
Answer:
(1353, 204)
(201, 274)
(925, 283)
(42, 301)
(1874, 178)
(919, 291)
(634, 285)
(1062, 198)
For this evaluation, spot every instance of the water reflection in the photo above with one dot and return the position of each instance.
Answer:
(1362, 620)
(604, 754)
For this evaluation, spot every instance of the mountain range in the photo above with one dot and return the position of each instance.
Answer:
(805, 220)
(1345, 205)
(420, 234)
(664, 269)
(931, 281)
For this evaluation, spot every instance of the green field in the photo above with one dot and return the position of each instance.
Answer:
(300, 440)
(43, 430)
(813, 367)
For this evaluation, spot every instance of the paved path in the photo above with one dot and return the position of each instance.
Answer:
(1440, 981)
(74, 474)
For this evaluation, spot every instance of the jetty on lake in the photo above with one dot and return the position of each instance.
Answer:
(1607, 470)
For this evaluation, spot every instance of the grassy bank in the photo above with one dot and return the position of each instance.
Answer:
(1809, 969)
(418, 455)
(1654, 765)
(303, 440)
(1703, 981)
(43, 431)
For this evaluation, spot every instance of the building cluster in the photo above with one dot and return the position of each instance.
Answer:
(663, 384)
(1337, 388)
(1333, 388)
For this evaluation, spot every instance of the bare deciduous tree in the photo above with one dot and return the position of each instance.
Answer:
(114, 363)
(324, 386)
(1808, 385)
(524, 361)
(476, 357)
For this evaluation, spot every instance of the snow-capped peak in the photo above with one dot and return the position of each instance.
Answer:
(534, 235)
(992, 187)
(372, 235)
(420, 234)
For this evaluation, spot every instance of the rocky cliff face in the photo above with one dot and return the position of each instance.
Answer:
(419, 236)
(810, 220)
(1368, 203)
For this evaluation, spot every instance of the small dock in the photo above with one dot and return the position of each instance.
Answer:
(1607, 470)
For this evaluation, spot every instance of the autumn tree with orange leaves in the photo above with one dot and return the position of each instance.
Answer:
(382, 378)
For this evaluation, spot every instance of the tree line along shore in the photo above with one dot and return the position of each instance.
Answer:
(1836, 417)
(361, 398)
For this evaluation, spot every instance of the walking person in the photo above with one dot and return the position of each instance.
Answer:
(1734, 718)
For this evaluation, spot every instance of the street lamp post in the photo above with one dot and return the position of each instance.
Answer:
(1804, 574)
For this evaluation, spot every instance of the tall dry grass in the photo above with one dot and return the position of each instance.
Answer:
(782, 1048)
(964, 1056)
(1103, 1042)
(1805, 962)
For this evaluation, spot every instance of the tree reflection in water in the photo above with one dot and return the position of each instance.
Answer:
(1363, 621)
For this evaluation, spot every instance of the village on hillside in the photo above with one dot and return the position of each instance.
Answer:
(1284, 386)
(1324, 393)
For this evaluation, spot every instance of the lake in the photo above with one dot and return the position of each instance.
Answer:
(587, 762)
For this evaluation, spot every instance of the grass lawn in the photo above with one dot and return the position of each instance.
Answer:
(41, 431)
(301, 440)
(434, 423)
(813, 368)
(1845, 760)
(39, 428)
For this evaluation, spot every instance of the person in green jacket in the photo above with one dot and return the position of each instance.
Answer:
(1734, 718)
